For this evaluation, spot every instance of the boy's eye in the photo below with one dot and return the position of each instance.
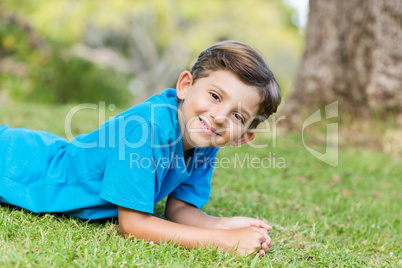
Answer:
(239, 118)
(214, 96)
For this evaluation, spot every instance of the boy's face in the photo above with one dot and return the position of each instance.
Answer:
(215, 110)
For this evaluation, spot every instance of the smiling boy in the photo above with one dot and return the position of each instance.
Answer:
(164, 147)
(216, 109)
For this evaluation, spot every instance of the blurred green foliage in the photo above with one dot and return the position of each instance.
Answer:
(43, 42)
(72, 79)
(41, 70)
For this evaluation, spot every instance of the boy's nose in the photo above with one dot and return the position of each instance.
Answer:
(220, 117)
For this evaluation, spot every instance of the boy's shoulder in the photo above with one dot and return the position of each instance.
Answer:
(158, 111)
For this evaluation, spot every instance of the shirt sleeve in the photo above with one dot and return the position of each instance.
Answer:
(130, 171)
(196, 189)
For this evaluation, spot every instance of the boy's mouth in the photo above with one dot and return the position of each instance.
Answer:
(206, 128)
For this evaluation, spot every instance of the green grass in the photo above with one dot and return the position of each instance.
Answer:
(347, 216)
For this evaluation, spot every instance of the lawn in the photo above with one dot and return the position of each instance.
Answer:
(322, 216)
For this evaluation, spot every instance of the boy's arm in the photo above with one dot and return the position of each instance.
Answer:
(181, 212)
(145, 226)
(184, 213)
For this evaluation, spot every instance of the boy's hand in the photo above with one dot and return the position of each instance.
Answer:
(244, 222)
(241, 222)
(186, 214)
(249, 240)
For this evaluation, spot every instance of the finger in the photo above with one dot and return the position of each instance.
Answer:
(261, 224)
(264, 234)
(266, 226)
(268, 242)
(265, 246)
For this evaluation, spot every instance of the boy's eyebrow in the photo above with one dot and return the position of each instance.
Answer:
(224, 93)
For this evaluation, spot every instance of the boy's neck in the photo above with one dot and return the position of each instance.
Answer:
(188, 153)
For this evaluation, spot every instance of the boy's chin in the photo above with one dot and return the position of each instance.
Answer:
(198, 141)
(209, 144)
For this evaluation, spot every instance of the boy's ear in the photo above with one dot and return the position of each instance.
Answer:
(183, 84)
(246, 137)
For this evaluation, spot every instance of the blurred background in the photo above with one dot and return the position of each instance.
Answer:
(122, 51)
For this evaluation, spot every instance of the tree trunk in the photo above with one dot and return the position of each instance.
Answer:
(353, 54)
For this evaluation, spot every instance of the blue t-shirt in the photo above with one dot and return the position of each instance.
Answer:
(133, 160)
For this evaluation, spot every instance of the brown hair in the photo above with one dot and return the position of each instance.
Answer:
(248, 65)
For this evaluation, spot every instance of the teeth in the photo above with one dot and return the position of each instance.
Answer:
(202, 121)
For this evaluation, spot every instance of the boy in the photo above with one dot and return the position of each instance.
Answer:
(165, 146)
